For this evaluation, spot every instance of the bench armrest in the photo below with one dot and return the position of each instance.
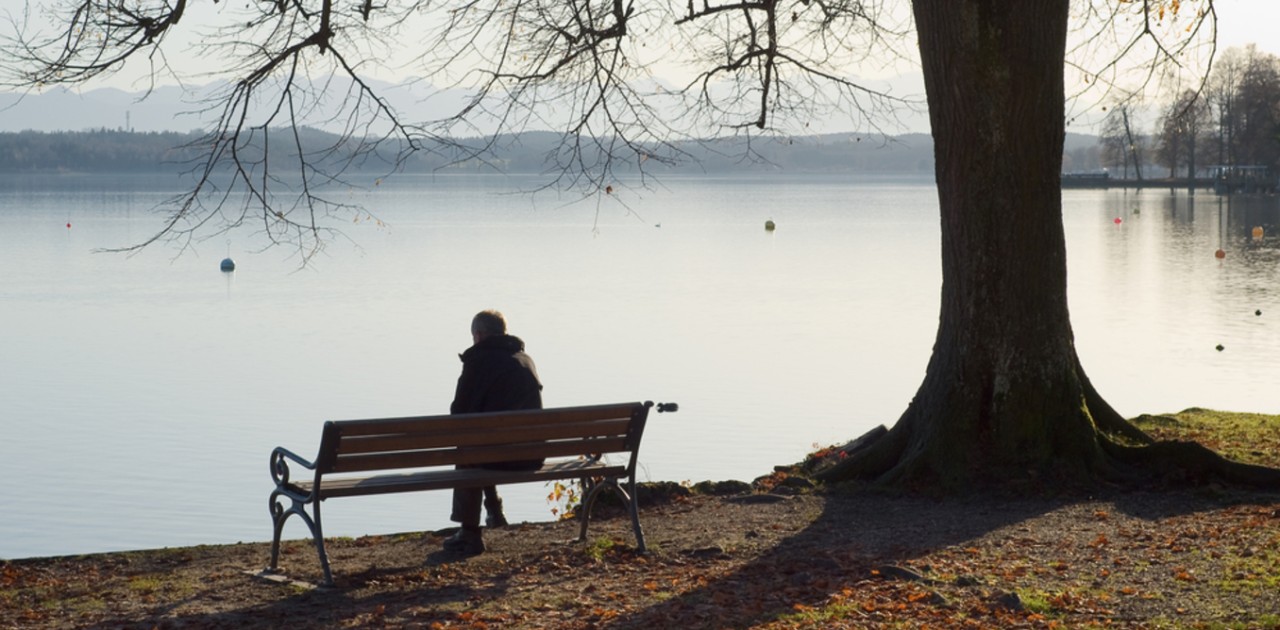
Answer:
(280, 457)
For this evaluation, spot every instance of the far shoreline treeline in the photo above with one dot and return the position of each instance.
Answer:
(122, 151)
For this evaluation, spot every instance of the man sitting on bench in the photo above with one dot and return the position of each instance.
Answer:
(497, 375)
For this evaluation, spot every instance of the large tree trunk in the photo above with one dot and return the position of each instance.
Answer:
(1004, 397)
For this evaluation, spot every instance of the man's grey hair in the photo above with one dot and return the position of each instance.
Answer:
(489, 323)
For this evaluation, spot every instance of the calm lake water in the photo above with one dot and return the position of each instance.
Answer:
(142, 394)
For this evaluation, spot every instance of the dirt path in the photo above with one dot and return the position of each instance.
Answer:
(835, 560)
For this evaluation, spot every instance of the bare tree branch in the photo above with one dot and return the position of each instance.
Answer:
(1127, 50)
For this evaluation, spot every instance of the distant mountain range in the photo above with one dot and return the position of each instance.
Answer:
(61, 109)
(182, 109)
(173, 108)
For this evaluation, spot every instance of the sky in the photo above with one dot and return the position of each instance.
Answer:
(1240, 22)
(1243, 22)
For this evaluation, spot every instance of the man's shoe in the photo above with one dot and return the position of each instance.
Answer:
(467, 542)
(493, 510)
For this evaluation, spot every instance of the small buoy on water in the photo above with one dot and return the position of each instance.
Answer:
(68, 225)
(1258, 312)
(228, 264)
(1257, 232)
(1220, 254)
(769, 225)
(1220, 348)
(1118, 220)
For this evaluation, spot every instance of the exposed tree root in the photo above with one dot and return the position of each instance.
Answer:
(1118, 452)
(868, 457)
(1107, 419)
(1188, 462)
(1128, 455)
(1192, 463)
(873, 456)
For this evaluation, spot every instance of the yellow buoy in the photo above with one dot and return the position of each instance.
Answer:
(1257, 231)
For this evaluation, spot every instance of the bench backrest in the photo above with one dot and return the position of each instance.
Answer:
(480, 438)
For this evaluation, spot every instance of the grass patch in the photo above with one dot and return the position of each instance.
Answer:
(599, 548)
(1036, 601)
(1252, 438)
(1251, 574)
(145, 584)
(819, 615)
(1264, 621)
(87, 604)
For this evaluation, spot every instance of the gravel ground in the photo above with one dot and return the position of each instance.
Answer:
(1207, 558)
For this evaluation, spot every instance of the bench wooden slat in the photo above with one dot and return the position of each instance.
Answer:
(492, 420)
(465, 478)
(472, 435)
(476, 455)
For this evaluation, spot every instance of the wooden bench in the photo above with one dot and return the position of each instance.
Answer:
(421, 453)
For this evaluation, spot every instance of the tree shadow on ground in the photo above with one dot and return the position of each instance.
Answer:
(868, 536)
(856, 535)
(1158, 504)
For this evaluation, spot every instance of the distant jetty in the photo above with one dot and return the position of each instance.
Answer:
(1226, 181)
(1091, 180)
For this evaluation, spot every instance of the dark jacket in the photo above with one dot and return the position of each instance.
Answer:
(497, 376)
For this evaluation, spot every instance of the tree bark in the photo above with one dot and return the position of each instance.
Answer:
(1004, 397)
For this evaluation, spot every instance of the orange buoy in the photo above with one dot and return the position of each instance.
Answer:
(1257, 232)
(1219, 254)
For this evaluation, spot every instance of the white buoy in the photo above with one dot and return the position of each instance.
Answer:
(228, 264)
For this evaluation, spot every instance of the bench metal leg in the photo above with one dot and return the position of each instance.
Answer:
(279, 515)
(591, 490)
(633, 501)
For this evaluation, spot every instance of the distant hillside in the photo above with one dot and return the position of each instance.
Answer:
(106, 150)
(111, 130)
(94, 151)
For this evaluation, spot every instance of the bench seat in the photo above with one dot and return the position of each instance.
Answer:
(459, 478)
